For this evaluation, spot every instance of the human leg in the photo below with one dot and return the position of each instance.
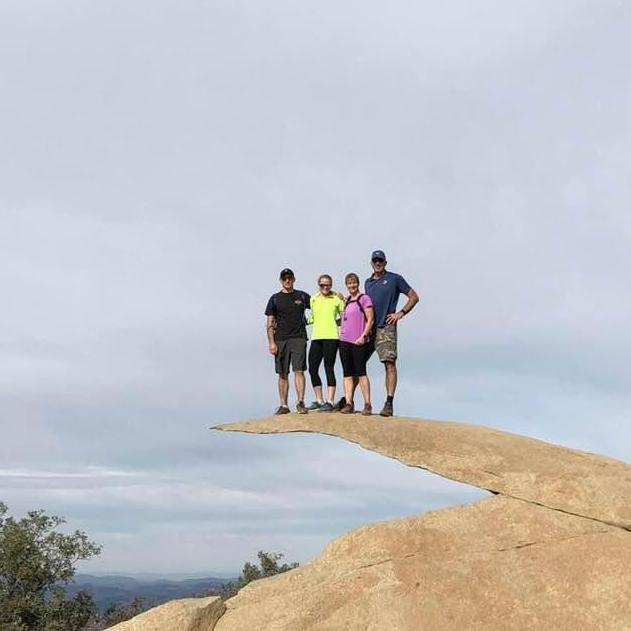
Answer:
(298, 349)
(349, 390)
(361, 355)
(364, 384)
(281, 361)
(386, 346)
(299, 379)
(346, 357)
(283, 388)
(391, 378)
(316, 352)
(330, 353)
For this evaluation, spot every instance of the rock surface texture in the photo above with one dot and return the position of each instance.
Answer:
(524, 468)
(550, 551)
(187, 614)
(498, 564)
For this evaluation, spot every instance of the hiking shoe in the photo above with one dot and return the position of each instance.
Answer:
(315, 406)
(367, 411)
(325, 407)
(301, 409)
(387, 409)
(282, 409)
(339, 405)
(349, 408)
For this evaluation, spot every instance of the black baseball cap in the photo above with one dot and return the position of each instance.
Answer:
(378, 254)
(286, 272)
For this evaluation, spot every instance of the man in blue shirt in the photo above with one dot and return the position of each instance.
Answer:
(384, 289)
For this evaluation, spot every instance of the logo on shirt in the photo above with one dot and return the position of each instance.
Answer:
(298, 302)
(385, 281)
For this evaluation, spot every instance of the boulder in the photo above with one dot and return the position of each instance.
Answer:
(186, 614)
(550, 551)
(498, 564)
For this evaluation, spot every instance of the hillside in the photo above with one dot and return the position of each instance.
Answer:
(108, 590)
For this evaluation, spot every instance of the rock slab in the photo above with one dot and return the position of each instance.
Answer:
(564, 479)
(496, 565)
(550, 552)
(186, 614)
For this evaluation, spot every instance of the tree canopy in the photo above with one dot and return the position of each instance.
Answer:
(36, 563)
(269, 565)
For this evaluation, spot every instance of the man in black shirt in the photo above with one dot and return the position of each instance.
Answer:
(287, 337)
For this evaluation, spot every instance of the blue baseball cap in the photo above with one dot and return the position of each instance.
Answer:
(378, 254)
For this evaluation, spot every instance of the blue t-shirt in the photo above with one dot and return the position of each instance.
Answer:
(384, 293)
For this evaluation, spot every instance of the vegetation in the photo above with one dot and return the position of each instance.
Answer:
(269, 565)
(37, 562)
(119, 613)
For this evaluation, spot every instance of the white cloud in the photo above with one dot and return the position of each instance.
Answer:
(160, 163)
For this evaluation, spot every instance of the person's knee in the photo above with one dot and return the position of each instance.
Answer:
(390, 367)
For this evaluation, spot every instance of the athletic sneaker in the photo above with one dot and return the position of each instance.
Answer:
(325, 407)
(282, 409)
(315, 406)
(301, 409)
(339, 405)
(349, 408)
(387, 409)
(367, 411)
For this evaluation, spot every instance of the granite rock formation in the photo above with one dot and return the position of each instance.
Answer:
(186, 614)
(549, 551)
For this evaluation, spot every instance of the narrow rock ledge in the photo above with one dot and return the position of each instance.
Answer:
(568, 480)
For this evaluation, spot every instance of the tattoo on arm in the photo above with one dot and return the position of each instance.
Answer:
(271, 328)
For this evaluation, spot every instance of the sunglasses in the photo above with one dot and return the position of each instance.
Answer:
(325, 285)
(378, 260)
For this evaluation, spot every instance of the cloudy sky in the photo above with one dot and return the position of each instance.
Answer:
(161, 161)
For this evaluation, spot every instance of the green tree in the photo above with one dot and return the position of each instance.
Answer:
(120, 612)
(269, 565)
(36, 563)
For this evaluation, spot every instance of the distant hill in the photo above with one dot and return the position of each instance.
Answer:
(108, 590)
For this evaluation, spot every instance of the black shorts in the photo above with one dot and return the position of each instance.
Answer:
(354, 358)
(291, 352)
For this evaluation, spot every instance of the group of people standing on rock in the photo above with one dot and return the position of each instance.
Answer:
(355, 325)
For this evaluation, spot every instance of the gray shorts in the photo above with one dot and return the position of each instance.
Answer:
(291, 352)
(386, 343)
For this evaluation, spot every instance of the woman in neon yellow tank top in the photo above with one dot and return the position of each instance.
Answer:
(326, 310)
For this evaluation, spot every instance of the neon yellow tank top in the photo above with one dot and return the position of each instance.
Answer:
(325, 311)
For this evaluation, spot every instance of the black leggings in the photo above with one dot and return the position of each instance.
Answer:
(318, 350)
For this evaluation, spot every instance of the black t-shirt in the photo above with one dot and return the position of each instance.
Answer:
(289, 311)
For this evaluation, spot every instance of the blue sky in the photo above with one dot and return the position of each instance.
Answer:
(160, 162)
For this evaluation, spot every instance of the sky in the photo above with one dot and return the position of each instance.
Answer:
(161, 161)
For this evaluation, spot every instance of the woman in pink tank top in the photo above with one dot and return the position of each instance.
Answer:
(355, 344)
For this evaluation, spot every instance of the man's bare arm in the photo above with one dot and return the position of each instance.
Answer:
(271, 328)
(411, 301)
(407, 307)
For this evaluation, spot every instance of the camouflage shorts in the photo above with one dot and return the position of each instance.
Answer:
(386, 343)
